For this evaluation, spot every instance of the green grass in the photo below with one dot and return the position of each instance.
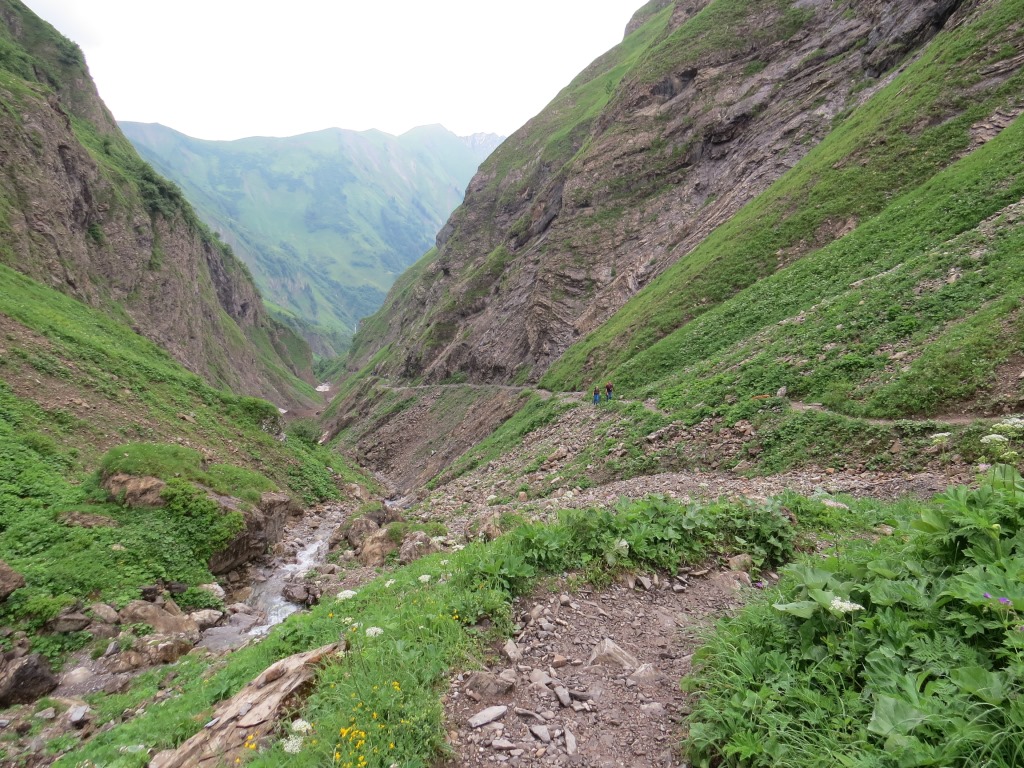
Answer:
(170, 461)
(132, 398)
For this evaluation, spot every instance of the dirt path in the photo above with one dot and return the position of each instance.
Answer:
(952, 420)
(592, 677)
(543, 393)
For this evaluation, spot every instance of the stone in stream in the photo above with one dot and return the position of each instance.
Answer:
(206, 618)
(295, 593)
(488, 715)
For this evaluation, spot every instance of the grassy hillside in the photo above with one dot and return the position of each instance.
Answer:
(326, 220)
(80, 393)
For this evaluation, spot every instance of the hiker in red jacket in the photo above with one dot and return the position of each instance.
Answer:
(608, 391)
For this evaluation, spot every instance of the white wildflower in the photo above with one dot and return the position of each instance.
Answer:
(444, 562)
(843, 606)
(346, 594)
(389, 583)
(940, 438)
(301, 726)
(425, 578)
(347, 620)
(292, 745)
(1012, 426)
(994, 439)
(458, 547)
(374, 631)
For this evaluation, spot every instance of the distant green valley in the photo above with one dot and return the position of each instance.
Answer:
(326, 220)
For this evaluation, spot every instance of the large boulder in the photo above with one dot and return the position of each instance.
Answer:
(416, 545)
(376, 549)
(264, 526)
(361, 529)
(72, 621)
(26, 679)
(10, 580)
(136, 491)
(206, 618)
(162, 622)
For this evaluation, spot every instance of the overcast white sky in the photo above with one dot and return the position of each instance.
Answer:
(224, 69)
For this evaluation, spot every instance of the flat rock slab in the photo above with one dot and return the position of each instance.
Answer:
(251, 713)
(488, 715)
(608, 653)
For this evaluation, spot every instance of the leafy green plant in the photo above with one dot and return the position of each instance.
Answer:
(905, 651)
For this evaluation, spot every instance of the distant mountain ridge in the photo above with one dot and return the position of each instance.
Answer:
(326, 220)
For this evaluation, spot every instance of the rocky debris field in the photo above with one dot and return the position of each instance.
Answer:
(543, 462)
(591, 677)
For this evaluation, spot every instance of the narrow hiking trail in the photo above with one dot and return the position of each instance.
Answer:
(542, 474)
(591, 677)
(952, 420)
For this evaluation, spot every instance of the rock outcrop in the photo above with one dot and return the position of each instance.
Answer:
(10, 580)
(264, 525)
(623, 175)
(25, 679)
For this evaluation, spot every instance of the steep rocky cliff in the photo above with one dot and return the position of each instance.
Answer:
(702, 107)
(81, 212)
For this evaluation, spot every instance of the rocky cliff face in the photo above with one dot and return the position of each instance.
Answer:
(702, 107)
(81, 212)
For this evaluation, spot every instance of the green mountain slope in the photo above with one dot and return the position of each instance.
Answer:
(82, 212)
(83, 397)
(325, 220)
